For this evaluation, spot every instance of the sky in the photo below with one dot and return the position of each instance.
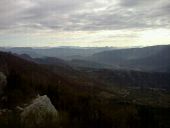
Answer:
(85, 23)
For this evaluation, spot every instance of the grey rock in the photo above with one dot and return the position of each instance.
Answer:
(40, 113)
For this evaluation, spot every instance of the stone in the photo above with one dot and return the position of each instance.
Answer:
(40, 113)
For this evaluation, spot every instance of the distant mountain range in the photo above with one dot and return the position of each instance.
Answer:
(67, 53)
(155, 58)
(149, 59)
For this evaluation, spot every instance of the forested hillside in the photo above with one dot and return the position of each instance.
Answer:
(84, 97)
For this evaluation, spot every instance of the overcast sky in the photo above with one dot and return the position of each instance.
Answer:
(118, 23)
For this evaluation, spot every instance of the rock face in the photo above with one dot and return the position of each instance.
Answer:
(3, 82)
(40, 114)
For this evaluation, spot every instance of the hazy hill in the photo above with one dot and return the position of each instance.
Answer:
(155, 58)
(78, 63)
(59, 52)
(91, 73)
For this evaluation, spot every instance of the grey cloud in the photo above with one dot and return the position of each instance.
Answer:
(132, 3)
(80, 15)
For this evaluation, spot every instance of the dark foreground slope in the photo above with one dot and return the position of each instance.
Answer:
(80, 104)
(25, 79)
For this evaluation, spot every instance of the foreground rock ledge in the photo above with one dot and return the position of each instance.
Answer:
(41, 113)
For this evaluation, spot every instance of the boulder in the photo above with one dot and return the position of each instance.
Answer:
(40, 114)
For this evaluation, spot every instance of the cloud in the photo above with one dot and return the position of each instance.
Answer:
(36, 17)
(84, 14)
(134, 3)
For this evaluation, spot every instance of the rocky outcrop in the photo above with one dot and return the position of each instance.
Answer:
(40, 114)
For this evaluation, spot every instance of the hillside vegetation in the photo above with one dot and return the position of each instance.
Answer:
(85, 98)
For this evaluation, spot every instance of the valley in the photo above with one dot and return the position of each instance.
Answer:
(85, 95)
